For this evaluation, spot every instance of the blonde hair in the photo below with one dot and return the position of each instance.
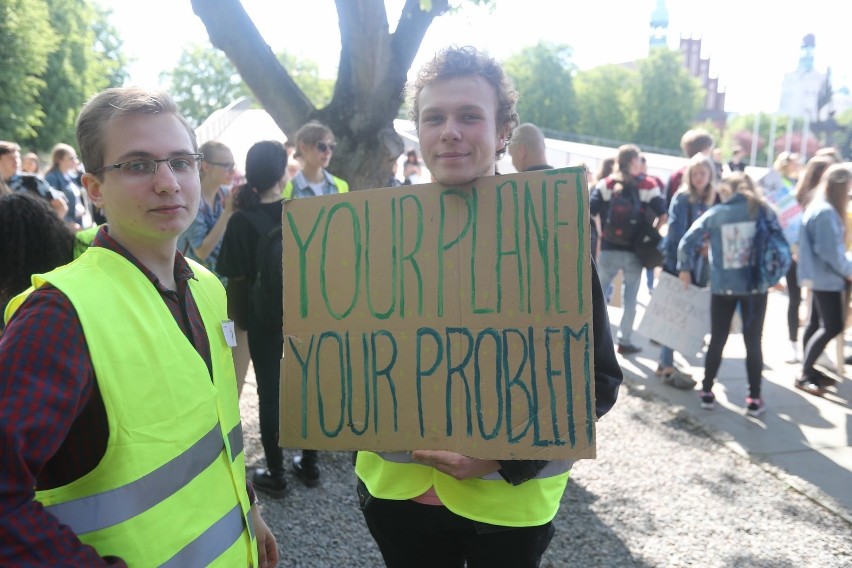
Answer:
(706, 194)
(740, 183)
(834, 189)
(113, 103)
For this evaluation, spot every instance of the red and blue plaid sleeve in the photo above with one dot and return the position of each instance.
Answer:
(46, 379)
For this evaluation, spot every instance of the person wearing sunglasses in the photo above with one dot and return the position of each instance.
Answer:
(314, 148)
(120, 432)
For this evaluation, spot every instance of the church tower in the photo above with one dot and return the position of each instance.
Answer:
(659, 26)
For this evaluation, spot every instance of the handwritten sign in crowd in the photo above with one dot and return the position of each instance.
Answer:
(677, 317)
(445, 318)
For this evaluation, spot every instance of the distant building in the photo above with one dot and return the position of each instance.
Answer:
(713, 108)
(659, 26)
(800, 91)
(714, 99)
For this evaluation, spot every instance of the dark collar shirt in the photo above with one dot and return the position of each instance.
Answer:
(53, 424)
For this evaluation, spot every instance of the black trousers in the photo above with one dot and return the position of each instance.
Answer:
(266, 347)
(413, 535)
(826, 323)
(794, 295)
(753, 312)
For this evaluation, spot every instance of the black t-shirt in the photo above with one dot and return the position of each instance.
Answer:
(238, 256)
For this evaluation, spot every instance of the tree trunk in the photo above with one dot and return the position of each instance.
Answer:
(370, 82)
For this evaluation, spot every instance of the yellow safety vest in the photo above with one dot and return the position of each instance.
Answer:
(489, 500)
(342, 187)
(170, 490)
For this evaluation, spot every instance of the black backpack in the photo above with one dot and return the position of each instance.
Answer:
(267, 287)
(622, 220)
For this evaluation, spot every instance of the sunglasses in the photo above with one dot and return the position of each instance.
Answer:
(229, 166)
(323, 147)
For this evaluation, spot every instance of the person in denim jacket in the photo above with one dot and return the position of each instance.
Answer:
(695, 196)
(730, 227)
(827, 268)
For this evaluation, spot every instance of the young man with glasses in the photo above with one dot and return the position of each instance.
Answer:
(440, 508)
(121, 439)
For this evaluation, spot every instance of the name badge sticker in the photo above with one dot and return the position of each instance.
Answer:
(229, 332)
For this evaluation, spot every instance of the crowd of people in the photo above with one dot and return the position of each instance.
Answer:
(121, 370)
(713, 218)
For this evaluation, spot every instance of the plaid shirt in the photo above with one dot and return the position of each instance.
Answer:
(53, 424)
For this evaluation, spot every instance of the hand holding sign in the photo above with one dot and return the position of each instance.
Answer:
(457, 465)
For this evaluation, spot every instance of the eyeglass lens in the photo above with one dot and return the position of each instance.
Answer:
(323, 147)
(178, 164)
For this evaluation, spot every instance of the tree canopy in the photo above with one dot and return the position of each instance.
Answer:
(26, 41)
(56, 54)
(542, 74)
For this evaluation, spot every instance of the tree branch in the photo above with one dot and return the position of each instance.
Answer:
(231, 30)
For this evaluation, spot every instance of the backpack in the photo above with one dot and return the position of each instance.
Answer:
(770, 253)
(622, 220)
(266, 290)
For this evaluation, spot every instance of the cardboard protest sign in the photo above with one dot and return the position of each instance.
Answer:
(676, 317)
(443, 318)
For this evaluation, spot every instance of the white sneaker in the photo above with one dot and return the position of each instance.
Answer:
(793, 354)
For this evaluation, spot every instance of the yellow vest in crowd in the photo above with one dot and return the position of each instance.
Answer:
(170, 490)
(492, 500)
(342, 187)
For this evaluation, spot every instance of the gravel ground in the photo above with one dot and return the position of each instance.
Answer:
(661, 493)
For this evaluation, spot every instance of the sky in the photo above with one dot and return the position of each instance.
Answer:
(751, 43)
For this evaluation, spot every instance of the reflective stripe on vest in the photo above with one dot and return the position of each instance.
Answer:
(235, 441)
(212, 543)
(115, 506)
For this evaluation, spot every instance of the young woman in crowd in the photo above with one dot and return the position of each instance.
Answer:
(825, 265)
(62, 175)
(258, 207)
(730, 228)
(314, 147)
(695, 196)
(203, 239)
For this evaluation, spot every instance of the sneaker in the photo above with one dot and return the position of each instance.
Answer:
(273, 484)
(755, 406)
(679, 380)
(810, 386)
(305, 468)
(628, 348)
(708, 400)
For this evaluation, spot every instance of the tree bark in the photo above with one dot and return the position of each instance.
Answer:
(370, 82)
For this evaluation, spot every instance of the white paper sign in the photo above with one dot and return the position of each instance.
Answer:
(676, 317)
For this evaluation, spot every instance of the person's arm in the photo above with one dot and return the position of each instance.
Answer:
(267, 548)
(209, 242)
(596, 201)
(828, 243)
(46, 381)
(238, 301)
(608, 374)
(690, 242)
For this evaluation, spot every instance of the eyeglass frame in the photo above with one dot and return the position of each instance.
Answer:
(324, 147)
(228, 166)
(197, 155)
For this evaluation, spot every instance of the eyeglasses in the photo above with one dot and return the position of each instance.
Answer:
(323, 147)
(229, 166)
(147, 168)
